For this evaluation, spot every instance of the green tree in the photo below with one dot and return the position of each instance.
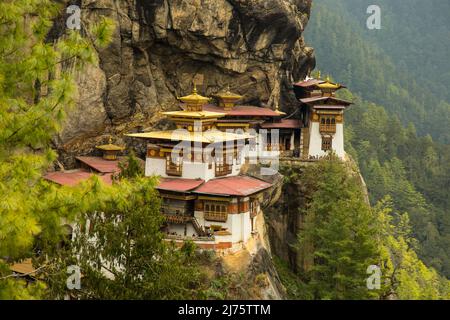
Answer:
(406, 276)
(338, 237)
(120, 250)
(36, 88)
(132, 167)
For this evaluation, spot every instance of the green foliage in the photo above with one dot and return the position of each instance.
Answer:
(36, 88)
(295, 288)
(337, 240)
(388, 66)
(129, 258)
(131, 168)
(406, 276)
(397, 140)
(413, 171)
(341, 235)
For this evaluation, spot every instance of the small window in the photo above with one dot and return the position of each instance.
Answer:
(327, 143)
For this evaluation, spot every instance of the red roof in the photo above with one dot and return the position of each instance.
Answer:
(233, 186)
(322, 98)
(284, 124)
(72, 178)
(243, 111)
(180, 185)
(101, 165)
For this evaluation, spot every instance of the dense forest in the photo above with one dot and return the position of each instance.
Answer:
(397, 130)
(341, 235)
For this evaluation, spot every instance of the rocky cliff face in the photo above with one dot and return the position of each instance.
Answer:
(254, 46)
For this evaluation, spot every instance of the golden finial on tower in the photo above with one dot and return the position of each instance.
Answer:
(110, 150)
(318, 75)
(228, 99)
(194, 101)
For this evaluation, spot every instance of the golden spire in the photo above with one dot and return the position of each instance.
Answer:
(318, 75)
(110, 150)
(194, 101)
(228, 99)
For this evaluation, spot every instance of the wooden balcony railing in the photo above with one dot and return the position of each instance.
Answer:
(178, 219)
(216, 216)
(327, 128)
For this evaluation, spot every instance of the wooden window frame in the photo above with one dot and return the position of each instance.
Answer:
(215, 211)
(327, 123)
(174, 169)
(221, 167)
(327, 143)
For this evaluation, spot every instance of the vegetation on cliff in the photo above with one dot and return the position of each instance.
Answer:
(341, 236)
(36, 90)
(398, 129)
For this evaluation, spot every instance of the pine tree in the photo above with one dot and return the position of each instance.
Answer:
(35, 91)
(338, 234)
(405, 276)
(128, 258)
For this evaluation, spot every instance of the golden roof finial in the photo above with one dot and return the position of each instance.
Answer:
(318, 75)
(194, 101)
(328, 78)
(110, 146)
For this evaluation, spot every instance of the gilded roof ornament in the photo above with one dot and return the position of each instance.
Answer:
(194, 98)
(110, 146)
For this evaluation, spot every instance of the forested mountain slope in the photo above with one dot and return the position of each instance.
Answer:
(398, 128)
(403, 66)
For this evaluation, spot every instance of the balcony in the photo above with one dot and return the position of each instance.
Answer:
(327, 128)
(177, 219)
(216, 216)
